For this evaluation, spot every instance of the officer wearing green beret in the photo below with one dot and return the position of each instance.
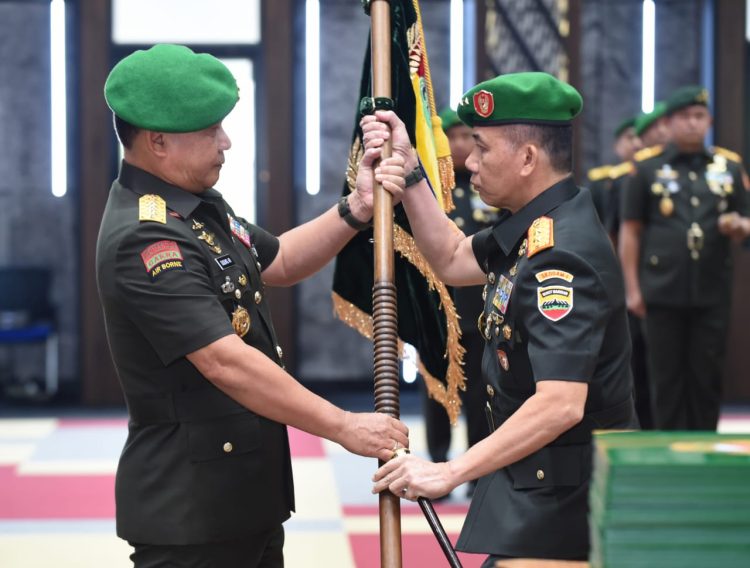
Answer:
(205, 476)
(556, 355)
(470, 215)
(682, 206)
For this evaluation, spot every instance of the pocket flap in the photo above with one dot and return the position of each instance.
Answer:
(553, 466)
(223, 437)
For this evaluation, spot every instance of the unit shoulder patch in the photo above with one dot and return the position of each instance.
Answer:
(553, 273)
(555, 302)
(541, 236)
(728, 154)
(152, 208)
(161, 257)
(600, 173)
(621, 169)
(646, 153)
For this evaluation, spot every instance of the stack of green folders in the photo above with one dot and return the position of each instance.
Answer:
(670, 499)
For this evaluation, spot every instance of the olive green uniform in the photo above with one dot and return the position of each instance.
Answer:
(685, 272)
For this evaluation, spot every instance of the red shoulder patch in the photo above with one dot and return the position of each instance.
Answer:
(162, 256)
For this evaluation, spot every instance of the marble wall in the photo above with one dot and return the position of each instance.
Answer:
(36, 228)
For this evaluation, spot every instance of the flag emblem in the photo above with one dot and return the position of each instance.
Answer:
(555, 302)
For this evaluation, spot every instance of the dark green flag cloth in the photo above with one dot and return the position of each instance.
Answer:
(426, 315)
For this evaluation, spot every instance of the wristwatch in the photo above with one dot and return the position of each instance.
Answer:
(345, 213)
(415, 176)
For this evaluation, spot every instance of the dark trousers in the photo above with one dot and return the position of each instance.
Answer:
(686, 358)
(437, 425)
(639, 368)
(254, 551)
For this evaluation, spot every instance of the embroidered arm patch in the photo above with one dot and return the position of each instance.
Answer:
(161, 257)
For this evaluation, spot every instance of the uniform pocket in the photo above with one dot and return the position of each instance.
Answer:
(223, 437)
(552, 466)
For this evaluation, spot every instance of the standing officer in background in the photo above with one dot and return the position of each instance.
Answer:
(205, 476)
(470, 215)
(652, 128)
(556, 356)
(600, 178)
(681, 208)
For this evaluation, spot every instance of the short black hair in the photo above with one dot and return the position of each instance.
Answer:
(126, 132)
(556, 141)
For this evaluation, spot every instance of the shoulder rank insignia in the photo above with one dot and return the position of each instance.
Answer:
(602, 172)
(621, 169)
(541, 236)
(152, 208)
(728, 154)
(646, 153)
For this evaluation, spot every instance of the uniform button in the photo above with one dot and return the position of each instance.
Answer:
(458, 192)
(491, 277)
(540, 474)
(228, 447)
(695, 255)
(693, 176)
(460, 222)
(237, 294)
(490, 390)
(654, 260)
(258, 297)
(259, 266)
(279, 352)
(694, 201)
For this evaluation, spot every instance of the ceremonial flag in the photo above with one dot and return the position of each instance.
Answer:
(427, 318)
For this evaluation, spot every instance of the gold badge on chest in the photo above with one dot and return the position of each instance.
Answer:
(241, 321)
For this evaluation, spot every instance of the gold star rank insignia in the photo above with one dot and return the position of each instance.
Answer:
(152, 208)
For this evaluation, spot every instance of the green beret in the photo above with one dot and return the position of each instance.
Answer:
(520, 98)
(687, 96)
(644, 121)
(624, 125)
(449, 119)
(168, 88)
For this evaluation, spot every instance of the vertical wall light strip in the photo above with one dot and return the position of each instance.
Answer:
(649, 55)
(457, 52)
(59, 126)
(312, 96)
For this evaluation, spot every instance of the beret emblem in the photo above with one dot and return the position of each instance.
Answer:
(484, 103)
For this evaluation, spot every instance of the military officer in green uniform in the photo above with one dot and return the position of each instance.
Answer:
(470, 215)
(556, 356)
(599, 182)
(205, 476)
(681, 208)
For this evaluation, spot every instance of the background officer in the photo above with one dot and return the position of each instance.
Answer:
(205, 476)
(681, 208)
(470, 215)
(556, 357)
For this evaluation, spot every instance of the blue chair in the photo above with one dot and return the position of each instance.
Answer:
(27, 316)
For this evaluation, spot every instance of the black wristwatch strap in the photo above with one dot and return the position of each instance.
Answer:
(345, 213)
(415, 176)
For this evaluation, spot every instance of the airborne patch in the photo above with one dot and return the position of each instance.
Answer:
(555, 302)
(161, 257)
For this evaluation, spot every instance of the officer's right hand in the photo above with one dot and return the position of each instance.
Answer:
(635, 303)
(372, 434)
(384, 125)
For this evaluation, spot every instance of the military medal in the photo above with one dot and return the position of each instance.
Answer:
(666, 206)
(502, 357)
(242, 280)
(241, 321)
(507, 332)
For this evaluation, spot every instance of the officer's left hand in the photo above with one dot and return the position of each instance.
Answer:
(733, 225)
(411, 477)
(390, 173)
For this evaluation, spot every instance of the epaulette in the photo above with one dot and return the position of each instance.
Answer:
(646, 153)
(728, 154)
(596, 174)
(152, 208)
(621, 169)
(541, 236)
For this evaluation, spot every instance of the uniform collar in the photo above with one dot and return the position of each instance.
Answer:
(510, 228)
(141, 182)
(672, 152)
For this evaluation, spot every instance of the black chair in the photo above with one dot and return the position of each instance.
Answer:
(27, 316)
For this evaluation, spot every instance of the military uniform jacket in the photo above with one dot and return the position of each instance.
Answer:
(684, 259)
(197, 466)
(554, 309)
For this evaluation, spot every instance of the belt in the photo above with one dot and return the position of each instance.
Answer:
(188, 406)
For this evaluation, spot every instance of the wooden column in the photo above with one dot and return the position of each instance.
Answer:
(98, 378)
